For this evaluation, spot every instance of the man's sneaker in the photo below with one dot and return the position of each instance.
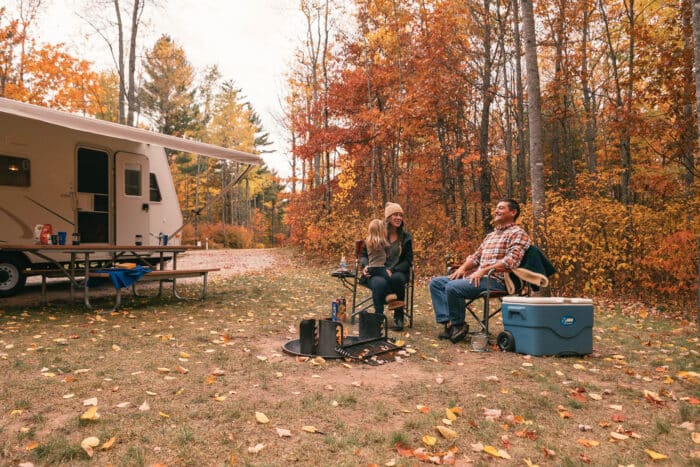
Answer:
(459, 332)
(447, 332)
(391, 297)
(394, 304)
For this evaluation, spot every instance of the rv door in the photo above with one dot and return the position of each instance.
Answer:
(132, 198)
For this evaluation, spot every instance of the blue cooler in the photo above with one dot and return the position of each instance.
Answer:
(547, 325)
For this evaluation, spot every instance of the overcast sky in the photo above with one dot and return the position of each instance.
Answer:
(252, 42)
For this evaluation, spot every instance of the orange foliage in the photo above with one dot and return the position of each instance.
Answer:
(46, 75)
(403, 101)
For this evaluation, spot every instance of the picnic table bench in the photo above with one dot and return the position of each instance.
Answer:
(160, 275)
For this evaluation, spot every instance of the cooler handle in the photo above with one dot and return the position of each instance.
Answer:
(516, 311)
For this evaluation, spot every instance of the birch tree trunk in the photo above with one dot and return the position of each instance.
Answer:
(521, 156)
(534, 106)
(696, 70)
(487, 99)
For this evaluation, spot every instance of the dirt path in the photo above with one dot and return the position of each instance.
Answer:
(230, 263)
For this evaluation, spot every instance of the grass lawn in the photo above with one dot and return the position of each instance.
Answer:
(180, 383)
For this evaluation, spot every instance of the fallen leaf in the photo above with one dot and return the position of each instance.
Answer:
(695, 437)
(261, 418)
(91, 401)
(31, 446)
(144, 407)
(402, 450)
(163, 414)
(219, 398)
(577, 395)
(690, 426)
(423, 408)
(123, 405)
(653, 397)
(492, 414)
(284, 433)
(256, 449)
(109, 443)
(182, 370)
(89, 443)
(589, 443)
(90, 414)
(618, 417)
(163, 370)
(563, 413)
(184, 355)
(657, 456)
(429, 440)
(310, 429)
(450, 415)
(446, 432)
(492, 451)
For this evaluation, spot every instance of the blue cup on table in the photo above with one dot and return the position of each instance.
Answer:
(164, 239)
(62, 238)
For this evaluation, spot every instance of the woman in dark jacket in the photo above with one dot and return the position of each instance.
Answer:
(398, 265)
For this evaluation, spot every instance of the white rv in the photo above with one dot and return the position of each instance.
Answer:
(105, 181)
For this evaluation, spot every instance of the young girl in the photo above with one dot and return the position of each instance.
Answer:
(377, 245)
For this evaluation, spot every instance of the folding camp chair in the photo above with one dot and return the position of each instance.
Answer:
(351, 279)
(533, 259)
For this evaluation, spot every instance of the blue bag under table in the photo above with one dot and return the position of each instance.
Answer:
(549, 325)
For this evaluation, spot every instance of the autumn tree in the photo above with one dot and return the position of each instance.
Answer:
(42, 74)
(420, 100)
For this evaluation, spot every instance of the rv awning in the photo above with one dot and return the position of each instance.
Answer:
(115, 130)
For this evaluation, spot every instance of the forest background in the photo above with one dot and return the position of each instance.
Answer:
(583, 110)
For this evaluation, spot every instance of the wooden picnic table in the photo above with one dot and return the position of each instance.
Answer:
(82, 253)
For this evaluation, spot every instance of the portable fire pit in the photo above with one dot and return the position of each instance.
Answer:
(327, 339)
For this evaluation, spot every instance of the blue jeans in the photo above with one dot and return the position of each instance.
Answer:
(381, 287)
(448, 296)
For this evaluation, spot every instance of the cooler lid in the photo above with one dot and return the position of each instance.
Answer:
(548, 300)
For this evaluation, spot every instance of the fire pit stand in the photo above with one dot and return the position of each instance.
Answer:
(327, 339)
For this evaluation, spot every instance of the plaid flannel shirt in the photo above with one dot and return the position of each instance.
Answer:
(508, 243)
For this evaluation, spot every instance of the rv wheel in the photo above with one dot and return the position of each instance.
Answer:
(12, 278)
(506, 341)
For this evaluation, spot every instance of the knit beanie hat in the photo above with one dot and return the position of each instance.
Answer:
(391, 209)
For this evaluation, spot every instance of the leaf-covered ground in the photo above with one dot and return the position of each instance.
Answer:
(207, 383)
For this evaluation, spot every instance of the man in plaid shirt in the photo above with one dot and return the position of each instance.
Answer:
(501, 250)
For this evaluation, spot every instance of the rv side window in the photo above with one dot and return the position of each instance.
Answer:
(132, 180)
(155, 189)
(14, 171)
